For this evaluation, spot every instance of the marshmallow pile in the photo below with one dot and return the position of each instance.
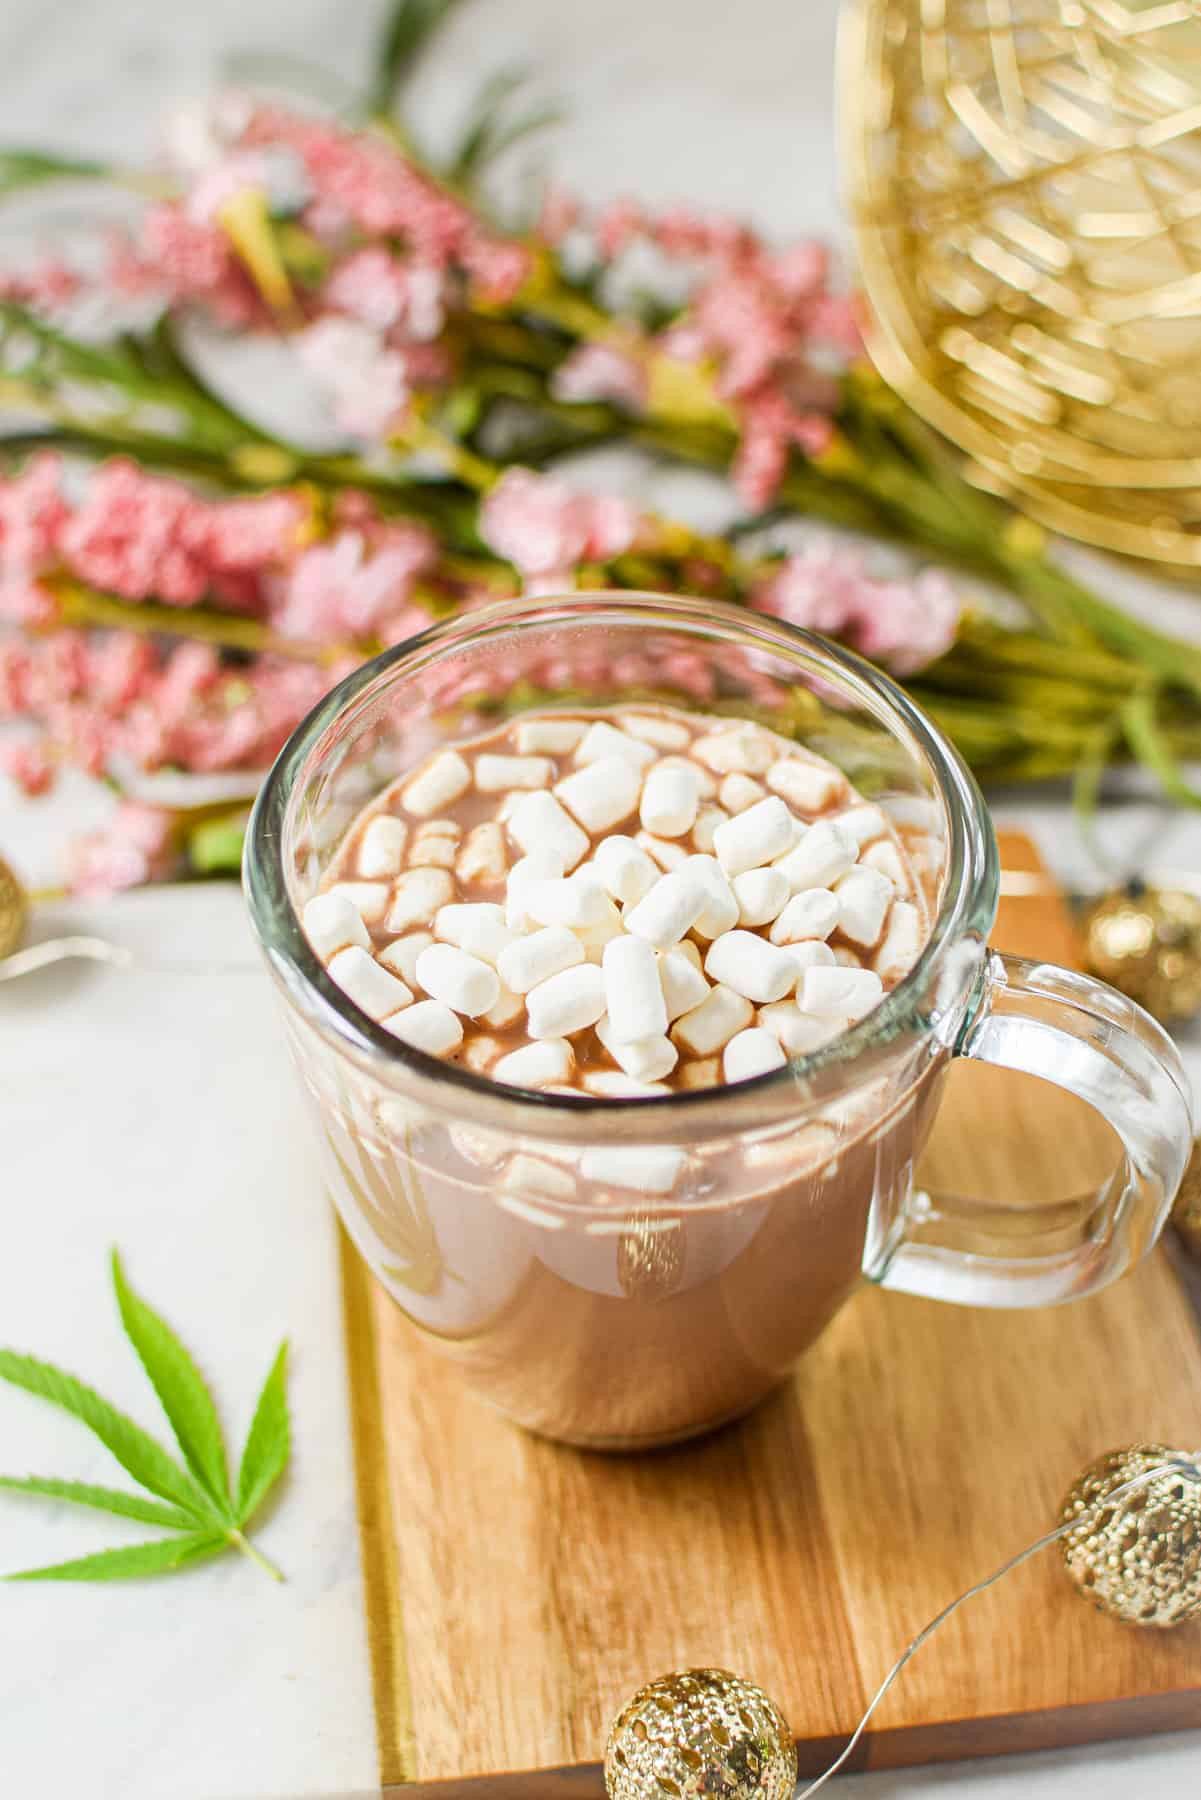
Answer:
(620, 908)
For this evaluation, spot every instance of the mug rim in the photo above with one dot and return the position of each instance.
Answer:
(968, 902)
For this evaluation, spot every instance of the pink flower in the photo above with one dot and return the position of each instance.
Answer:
(335, 590)
(909, 624)
(28, 765)
(32, 513)
(136, 846)
(193, 261)
(367, 383)
(129, 536)
(617, 226)
(499, 269)
(559, 214)
(601, 372)
(379, 290)
(24, 600)
(543, 528)
(274, 174)
(818, 589)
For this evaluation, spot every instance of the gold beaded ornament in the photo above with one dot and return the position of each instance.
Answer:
(1130, 1536)
(700, 1732)
(1186, 1213)
(1139, 1558)
(1146, 942)
(1023, 178)
(14, 910)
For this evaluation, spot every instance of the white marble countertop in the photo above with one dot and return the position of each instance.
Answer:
(157, 1112)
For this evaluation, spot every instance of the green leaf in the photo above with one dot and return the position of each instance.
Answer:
(486, 132)
(31, 168)
(406, 31)
(215, 847)
(138, 1453)
(103, 1499)
(1140, 723)
(155, 1558)
(267, 1441)
(180, 1387)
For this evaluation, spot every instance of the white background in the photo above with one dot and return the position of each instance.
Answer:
(155, 1112)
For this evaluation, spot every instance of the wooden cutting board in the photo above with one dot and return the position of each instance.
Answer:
(517, 1591)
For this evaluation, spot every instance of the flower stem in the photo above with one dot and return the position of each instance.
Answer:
(243, 1543)
(86, 606)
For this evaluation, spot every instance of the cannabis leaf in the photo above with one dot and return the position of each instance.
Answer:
(192, 1499)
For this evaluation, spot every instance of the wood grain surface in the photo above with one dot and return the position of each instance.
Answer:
(517, 1591)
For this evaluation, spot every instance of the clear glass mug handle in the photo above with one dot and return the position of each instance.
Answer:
(1038, 1019)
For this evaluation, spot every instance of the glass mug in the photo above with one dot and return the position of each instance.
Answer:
(614, 1319)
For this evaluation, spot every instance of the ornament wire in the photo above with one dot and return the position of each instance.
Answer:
(1190, 1472)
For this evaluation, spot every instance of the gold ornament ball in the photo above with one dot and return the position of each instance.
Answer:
(1148, 945)
(700, 1732)
(13, 910)
(1186, 1213)
(1138, 1559)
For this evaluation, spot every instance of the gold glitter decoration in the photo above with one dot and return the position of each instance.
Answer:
(1186, 1213)
(650, 1258)
(1147, 944)
(1025, 180)
(14, 910)
(700, 1732)
(1140, 1559)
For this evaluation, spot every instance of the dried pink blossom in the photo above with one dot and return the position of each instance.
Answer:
(32, 513)
(379, 290)
(28, 764)
(136, 846)
(601, 372)
(909, 624)
(336, 590)
(367, 382)
(544, 528)
(826, 587)
(195, 262)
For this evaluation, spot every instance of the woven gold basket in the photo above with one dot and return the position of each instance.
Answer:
(1025, 184)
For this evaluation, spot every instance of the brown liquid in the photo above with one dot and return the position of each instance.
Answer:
(605, 1319)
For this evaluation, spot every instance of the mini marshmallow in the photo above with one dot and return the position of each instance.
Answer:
(435, 845)
(705, 1072)
(459, 980)
(428, 1026)
(478, 928)
(567, 1002)
(527, 961)
(496, 774)
(737, 792)
(439, 783)
(369, 898)
(534, 1175)
(902, 942)
(417, 897)
(539, 823)
(813, 913)
(720, 911)
(885, 858)
(643, 1059)
(595, 937)
(607, 1084)
(671, 908)
(807, 787)
(751, 1053)
(536, 1065)
(641, 1168)
(665, 734)
(625, 869)
(603, 740)
(705, 829)
(743, 750)
(811, 954)
(706, 785)
(603, 793)
(751, 967)
(823, 853)
(849, 993)
(557, 736)
(382, 847)
(762, 895)
(372, 988)
(864, 897)
(480, 1053)
(863, 823)
(331, 921)
(401, 954)
(711, 1025)
(670, 798)
(757, 836)
(798, 1032)
(850, 959)
(633, 994)
(507, 1007)
(578, 901)
(540, 865)
(681, 980)
(663, 851)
